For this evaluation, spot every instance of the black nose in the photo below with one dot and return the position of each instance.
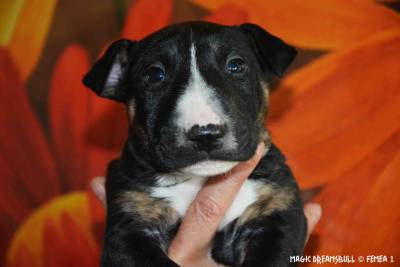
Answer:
(206, 137)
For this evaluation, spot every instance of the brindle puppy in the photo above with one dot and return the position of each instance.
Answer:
(196, 96)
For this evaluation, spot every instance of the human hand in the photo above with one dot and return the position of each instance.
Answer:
(206, 212)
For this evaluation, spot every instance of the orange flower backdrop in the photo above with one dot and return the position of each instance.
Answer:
(336, 115)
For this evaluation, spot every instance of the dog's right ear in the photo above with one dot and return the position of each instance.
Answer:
(107, 76)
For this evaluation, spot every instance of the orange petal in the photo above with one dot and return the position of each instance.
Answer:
(69, 111)
(338, 109)
(105, 133)
(58, 248)
(145, 17)
(30, 34)
(316, 24)
(87, 131)
(360, 215)
(49, 224)
(229, 14)
(25, 156)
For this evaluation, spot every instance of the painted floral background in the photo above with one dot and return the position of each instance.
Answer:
(336, 115)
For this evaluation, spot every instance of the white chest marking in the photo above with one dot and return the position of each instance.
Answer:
(181, 195)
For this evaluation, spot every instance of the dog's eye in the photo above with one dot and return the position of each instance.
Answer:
(155, 74)
(235, 65)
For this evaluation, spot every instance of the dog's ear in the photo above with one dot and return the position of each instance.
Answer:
(273, 53)
(107, 76)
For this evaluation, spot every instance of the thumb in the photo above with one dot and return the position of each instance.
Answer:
(207, 210)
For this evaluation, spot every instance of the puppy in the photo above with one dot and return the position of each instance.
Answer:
(196, 97)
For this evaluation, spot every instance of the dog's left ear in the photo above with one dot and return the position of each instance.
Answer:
(107, 76)
(273, 53)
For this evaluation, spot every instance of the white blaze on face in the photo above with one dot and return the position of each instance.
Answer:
(196, 105)
(199, 105)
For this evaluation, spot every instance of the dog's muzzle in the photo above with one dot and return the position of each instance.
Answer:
(207, 137)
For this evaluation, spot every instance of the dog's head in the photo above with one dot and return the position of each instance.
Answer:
(195, 92)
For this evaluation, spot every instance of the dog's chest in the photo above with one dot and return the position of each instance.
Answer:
(181, 195)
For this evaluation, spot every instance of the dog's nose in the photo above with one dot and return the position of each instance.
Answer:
(206, 137)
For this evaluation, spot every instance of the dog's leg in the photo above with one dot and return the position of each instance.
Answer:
(267, 240)
(138, 231)
(276, 240)
(139, 227)
(127, 246)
